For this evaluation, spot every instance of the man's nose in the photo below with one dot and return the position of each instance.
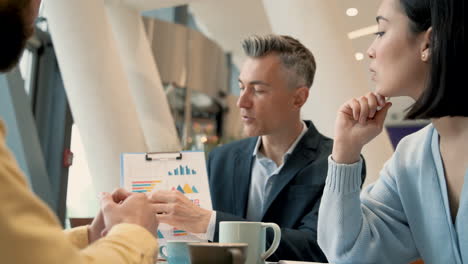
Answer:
(244, 100)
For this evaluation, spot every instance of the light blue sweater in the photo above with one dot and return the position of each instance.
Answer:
(404, 216)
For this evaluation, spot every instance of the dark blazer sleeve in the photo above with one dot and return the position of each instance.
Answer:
(212, 167)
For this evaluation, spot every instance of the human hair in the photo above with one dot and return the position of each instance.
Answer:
(294, 56)
(14, 32)
(446, 83)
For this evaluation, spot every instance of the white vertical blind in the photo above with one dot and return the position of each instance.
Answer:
(143, 79)
(96, 86)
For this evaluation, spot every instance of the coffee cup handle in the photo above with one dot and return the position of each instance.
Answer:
(237, 257)
(276, 239)
(161, 249)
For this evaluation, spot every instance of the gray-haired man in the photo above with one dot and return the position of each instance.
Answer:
(278, 173)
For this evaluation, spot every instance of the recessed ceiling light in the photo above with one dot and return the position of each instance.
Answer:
(359, 56)
(352, 12)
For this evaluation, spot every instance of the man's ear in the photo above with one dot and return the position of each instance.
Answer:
(300, 97)
(426, 49)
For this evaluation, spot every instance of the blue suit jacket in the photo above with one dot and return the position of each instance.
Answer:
(294, 200)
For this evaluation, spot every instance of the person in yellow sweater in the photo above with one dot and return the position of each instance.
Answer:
(29, 231)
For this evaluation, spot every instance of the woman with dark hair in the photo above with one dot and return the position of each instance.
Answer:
(419, 207)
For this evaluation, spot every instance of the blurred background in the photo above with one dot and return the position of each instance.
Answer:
(105, 77)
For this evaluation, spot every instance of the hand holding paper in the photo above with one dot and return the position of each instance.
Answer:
(183, 181)
(175, 209)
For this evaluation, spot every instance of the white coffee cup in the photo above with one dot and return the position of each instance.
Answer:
(252, 233)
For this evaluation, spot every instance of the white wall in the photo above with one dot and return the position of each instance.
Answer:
(319, 26)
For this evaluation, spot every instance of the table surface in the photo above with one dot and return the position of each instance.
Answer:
(164, 262)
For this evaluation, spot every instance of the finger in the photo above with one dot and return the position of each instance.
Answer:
(173, 221)
(164, 196)
(373, 104)
(364, 115)
(380, 116)
(105, 232)
(347, 110)
(158, 197)
(354, 104)
(381, 99)
(96, 227)
(161, 208)
(134, 201)
(120, 195)
(156, 208)
(166, 219)
(99, 219)
(107, 203)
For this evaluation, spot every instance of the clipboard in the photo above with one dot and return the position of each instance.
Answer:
(179, 171)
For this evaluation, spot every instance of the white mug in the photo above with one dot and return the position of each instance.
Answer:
(252, 233)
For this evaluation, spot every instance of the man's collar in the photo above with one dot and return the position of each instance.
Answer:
(291, 148)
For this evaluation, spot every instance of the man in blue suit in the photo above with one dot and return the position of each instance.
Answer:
(278, 173)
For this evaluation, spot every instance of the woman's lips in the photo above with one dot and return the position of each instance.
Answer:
(373, 74)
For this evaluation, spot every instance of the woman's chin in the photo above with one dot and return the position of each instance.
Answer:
(384, 92)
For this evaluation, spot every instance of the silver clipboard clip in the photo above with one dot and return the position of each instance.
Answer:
(158, 156)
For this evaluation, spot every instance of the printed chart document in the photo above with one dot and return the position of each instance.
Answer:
(181, 171)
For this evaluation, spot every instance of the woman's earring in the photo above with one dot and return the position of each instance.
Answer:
(424, 56)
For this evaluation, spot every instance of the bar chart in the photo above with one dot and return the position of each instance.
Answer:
(143, 186)
(182, 170)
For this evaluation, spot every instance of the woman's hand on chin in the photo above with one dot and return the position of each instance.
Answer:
(358, 121)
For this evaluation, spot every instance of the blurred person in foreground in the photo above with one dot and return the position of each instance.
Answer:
(29, 231)
(418, 209)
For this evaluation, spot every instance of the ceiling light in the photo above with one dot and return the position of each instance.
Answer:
(352, 12)
(359, 56)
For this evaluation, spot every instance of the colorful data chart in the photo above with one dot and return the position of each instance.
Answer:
(143, 186)
(186, 189)
(182, 170)
(178, 233)
(160, 235)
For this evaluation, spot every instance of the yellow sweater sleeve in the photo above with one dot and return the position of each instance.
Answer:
(30, 232)
(78, 236)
